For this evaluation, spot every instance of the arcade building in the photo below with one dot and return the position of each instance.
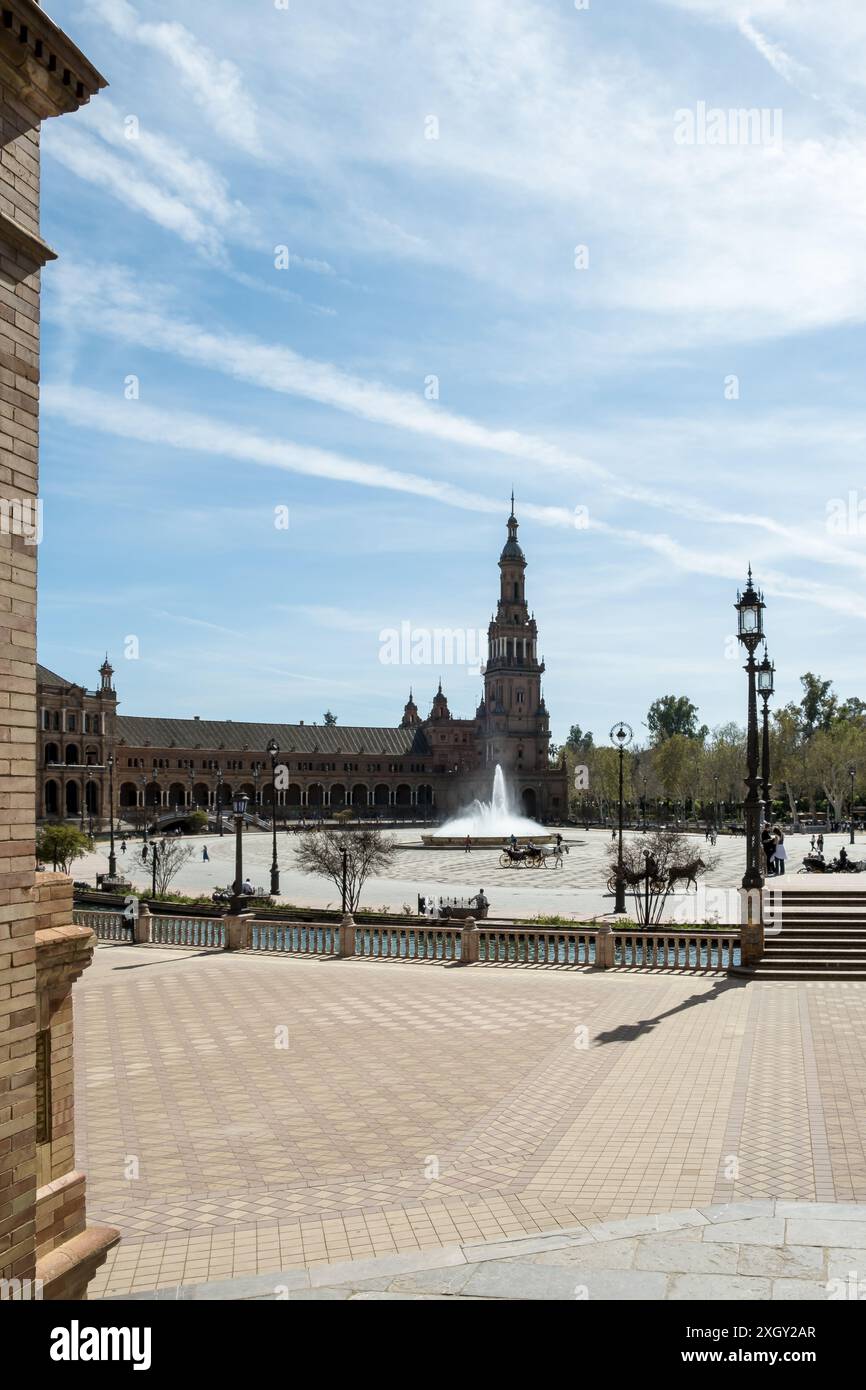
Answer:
(424, 767)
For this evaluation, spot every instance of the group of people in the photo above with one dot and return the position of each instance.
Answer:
(773, 842)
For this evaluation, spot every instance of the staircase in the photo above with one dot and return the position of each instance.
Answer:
(823, 935)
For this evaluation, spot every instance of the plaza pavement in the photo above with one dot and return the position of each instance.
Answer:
(576, 890)
(419, 1108)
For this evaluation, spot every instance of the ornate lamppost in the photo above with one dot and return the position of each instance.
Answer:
(750, 631)
(852, 773)
(766, 671)
(192, 806)
(239, 806)
(273, 754)
(621, 736)
(219, 800)
(144, 806)
(157, 798)
(112, 857)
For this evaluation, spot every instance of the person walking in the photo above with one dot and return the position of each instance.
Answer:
(780, 854)
(204, 854)
(123, 847)
(821, 842)
(467, 848)
(768, 844)
(813, 844)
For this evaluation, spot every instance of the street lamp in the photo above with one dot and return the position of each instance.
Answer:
(156, 797)
(852, 773)
(273, 753)
(621, 736)
(219, 799)
(144, 806)
(257, 768)
(750, 631)
(643, 784)
(239, 806)
(192, 805)
(154, 855)
(716, 801)
(112, 857)
(765, 690)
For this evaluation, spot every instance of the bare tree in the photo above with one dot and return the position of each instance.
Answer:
(171, 855)
(367, 852)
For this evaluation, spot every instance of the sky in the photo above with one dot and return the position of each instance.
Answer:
(335, 275)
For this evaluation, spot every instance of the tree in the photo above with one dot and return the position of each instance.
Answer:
(831, 752)
(61, 845)
(367, 852)
(171, 855)
(818, 705)
(674, 714)
(197, 821)
(580, 742)
(329, 718)
(789, 755)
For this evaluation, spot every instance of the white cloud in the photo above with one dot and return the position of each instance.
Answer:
(214, 83)
(182, 430)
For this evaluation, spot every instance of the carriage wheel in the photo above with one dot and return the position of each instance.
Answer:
(611, 884)
(504, 860)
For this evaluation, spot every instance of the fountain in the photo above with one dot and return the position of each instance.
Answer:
(488, 822)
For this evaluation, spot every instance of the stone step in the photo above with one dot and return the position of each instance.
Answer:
(796, 973)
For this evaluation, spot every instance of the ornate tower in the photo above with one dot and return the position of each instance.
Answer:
(513, 715)
(410, 714)
(106, 671)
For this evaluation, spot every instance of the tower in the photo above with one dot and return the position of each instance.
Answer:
(514, 719)
(106, 671)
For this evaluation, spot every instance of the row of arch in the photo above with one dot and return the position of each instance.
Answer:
(71, 755)
(65, 798)
(296, 794)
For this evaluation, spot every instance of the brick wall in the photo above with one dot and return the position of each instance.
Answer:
(19, 359)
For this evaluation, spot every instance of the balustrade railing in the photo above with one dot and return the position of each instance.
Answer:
(408, 943)
(187, 931)
(535, 946)
(108, 926)
(552, 947)
(296, 938)
(677, 950)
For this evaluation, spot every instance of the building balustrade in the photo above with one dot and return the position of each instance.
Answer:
(463, 943)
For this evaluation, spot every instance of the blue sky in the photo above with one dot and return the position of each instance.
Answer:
(694, 387)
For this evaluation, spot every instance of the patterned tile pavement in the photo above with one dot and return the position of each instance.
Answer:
(239, 1115)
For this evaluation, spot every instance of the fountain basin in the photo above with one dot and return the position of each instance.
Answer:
(482, 841)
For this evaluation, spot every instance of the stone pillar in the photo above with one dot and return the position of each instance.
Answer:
(751, 926)
(141, 925)
(238, 931)
(604, 947)
(469, 942)
(347, 935)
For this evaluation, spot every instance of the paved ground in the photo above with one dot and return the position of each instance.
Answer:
(774, 1251)
(576, 890)
(239, 1116)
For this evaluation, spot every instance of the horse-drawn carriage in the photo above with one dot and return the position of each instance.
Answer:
(532, 856)
(659, 880)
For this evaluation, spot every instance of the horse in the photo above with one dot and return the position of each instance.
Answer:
(688, 871)
(556, 855)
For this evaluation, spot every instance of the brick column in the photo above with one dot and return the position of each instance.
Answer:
(42, 74)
